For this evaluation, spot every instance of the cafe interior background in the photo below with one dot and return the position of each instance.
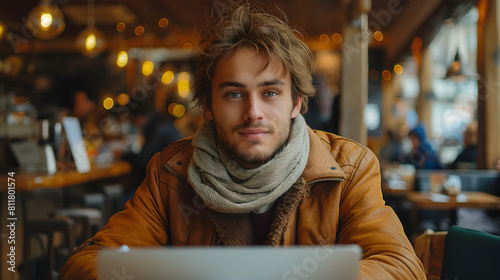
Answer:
(112, 63)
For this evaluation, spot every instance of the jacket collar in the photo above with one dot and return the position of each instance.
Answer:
(321, 165)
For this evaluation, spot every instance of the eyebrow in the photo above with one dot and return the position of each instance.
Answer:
(241, 85)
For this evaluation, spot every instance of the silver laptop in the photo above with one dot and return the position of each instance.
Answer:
(229, 263)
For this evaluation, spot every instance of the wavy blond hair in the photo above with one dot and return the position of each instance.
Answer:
(252, 25)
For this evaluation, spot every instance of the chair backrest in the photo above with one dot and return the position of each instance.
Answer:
(429, 248)
(470, 254)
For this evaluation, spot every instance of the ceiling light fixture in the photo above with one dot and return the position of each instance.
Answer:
(45, 21)
(90, 41)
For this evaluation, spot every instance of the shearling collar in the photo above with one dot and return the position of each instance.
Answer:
(237, 230)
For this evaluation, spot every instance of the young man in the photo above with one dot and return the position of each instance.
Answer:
(254, 173)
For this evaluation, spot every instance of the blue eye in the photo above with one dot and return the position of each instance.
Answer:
(270, 93)
(234, 94)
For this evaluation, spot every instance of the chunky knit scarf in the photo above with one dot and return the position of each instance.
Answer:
(227, 187)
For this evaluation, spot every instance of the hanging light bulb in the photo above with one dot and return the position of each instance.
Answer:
(45, 21)
(90, 41)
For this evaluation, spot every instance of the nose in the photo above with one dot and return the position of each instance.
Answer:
(253, 109)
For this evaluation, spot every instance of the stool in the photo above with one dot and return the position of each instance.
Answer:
(48, 227)
(90, 218)
(44, 215)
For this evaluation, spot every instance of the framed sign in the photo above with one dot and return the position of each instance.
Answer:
(76, 144)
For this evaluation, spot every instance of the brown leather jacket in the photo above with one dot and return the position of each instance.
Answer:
(337, 200)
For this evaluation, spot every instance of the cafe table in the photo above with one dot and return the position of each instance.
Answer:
(13, 183)
(437, 201)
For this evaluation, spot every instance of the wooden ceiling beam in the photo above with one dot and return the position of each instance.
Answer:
(399, 36)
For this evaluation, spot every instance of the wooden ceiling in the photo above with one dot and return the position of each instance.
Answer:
(399, 20)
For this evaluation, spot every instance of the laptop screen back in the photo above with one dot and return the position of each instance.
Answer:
(225, 263)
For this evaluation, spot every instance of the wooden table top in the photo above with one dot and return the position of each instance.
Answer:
(30, 181)
(464, 199)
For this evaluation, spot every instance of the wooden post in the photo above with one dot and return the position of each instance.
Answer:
(426, 77)
(488, 83)
(354, 93)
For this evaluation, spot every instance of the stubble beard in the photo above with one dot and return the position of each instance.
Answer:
(245, 156)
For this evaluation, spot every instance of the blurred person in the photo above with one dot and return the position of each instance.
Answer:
(84, 108)
(158, 131)
(467, 159)
(260, 174)
(423, 154)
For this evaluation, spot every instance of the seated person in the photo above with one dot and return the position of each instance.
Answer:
(467, 159)
(158, 131)
(423, 154)
(255, 173)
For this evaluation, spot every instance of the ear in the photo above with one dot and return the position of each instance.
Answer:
(296, 108)
(208, 113)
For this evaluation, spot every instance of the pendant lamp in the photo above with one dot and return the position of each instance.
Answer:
(90, 41)
(45, 21)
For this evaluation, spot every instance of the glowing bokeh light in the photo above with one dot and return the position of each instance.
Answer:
(108, 103)
(179, 110)
(337, 38)
(163, 22)
(184, 76)
(90, 42)
(46, 20)
(324, 39)
(171, 108)
(122, 59)
(386, 75)
(147, 68)
(123, 99)
(377, 35)
(398, 69)
(139, 30)
(120, 26)
(167, 77)
(183, 88)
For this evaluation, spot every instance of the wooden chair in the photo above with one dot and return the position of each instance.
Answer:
(429, 248)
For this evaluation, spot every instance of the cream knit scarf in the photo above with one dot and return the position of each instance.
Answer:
(227, 187)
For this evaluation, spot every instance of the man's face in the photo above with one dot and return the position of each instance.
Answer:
(252, 106)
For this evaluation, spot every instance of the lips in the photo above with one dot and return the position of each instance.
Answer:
(253, 133)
